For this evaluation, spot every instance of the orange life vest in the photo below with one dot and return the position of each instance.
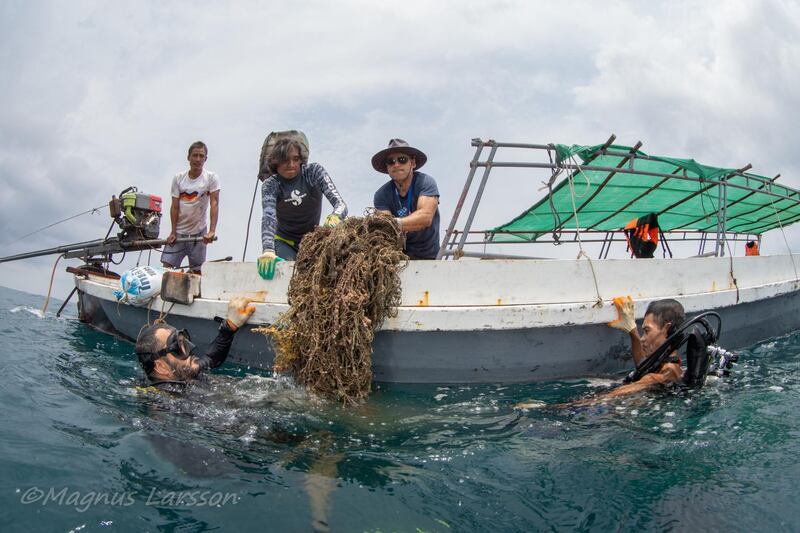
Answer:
(751, 248)
(642, 235)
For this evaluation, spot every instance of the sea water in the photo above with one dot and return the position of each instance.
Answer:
(87, 448)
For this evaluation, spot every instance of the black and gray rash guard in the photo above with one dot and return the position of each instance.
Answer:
(291, 208)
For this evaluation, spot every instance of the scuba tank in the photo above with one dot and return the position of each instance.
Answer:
(702, 353)
(698, 359)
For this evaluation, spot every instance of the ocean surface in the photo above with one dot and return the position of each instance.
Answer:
(87, 448)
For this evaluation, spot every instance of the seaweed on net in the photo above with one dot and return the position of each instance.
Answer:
(345, 283)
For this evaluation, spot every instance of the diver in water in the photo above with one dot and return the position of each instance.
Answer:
(170, 359)
(171, 362)
(662, 319)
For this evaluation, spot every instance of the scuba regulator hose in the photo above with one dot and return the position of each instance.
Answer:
(701, 349)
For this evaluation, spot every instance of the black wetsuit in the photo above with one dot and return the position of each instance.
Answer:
(216, 354)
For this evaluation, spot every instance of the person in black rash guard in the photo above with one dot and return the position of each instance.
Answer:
(291, 201)
(169, 358)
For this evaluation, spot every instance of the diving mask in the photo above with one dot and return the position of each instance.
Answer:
(179, 344)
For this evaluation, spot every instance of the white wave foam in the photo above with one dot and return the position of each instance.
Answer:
(31, 310)
(531, 404)
(597, 383)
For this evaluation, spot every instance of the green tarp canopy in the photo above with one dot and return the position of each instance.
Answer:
(606, 200)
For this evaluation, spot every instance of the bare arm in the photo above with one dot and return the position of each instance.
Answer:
(423, 216)
(669, 373)
(209, 237)
(174, 211)
(636, 347)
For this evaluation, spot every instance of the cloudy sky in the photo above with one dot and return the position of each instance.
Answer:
(101, 95)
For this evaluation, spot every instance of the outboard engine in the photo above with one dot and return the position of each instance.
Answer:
(138, 215)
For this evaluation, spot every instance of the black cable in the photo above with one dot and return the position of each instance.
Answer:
(92, 210)
(117, 262)
(249, 218)
(109, 229)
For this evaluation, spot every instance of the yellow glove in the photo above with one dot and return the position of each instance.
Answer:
(331, 221)
(266, 264)
(239, 310)
(625, 320)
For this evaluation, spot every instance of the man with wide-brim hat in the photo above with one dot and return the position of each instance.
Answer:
(411, 196)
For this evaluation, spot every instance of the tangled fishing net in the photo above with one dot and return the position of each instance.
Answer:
(345, 283)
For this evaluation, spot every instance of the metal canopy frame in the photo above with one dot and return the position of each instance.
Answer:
(455, 240)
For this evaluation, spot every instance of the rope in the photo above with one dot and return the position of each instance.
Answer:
(50, 288)
(162, 316)
(549, 186)
(599, 302)
(149, 306)
(92, 210)
(733, 277)
(780, 225)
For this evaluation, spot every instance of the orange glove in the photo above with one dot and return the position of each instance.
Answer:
(625, 320)
(239, 311)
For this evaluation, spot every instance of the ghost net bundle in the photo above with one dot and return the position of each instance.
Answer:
(345, 283)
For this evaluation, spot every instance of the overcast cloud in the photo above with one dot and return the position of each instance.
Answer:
(101, 95)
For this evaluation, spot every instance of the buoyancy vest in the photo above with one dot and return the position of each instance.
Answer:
(642, 235)
(751, 248)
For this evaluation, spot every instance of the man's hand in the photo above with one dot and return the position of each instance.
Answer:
(331, 221)
(172, 237)
(239, 310)
(209, 237)
(266, 264)
(625, 320)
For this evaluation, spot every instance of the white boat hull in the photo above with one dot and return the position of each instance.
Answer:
(495, 321)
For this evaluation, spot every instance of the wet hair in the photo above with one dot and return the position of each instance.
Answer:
(280, 153)
(197, 144)
(667, 311)
(148, 344)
